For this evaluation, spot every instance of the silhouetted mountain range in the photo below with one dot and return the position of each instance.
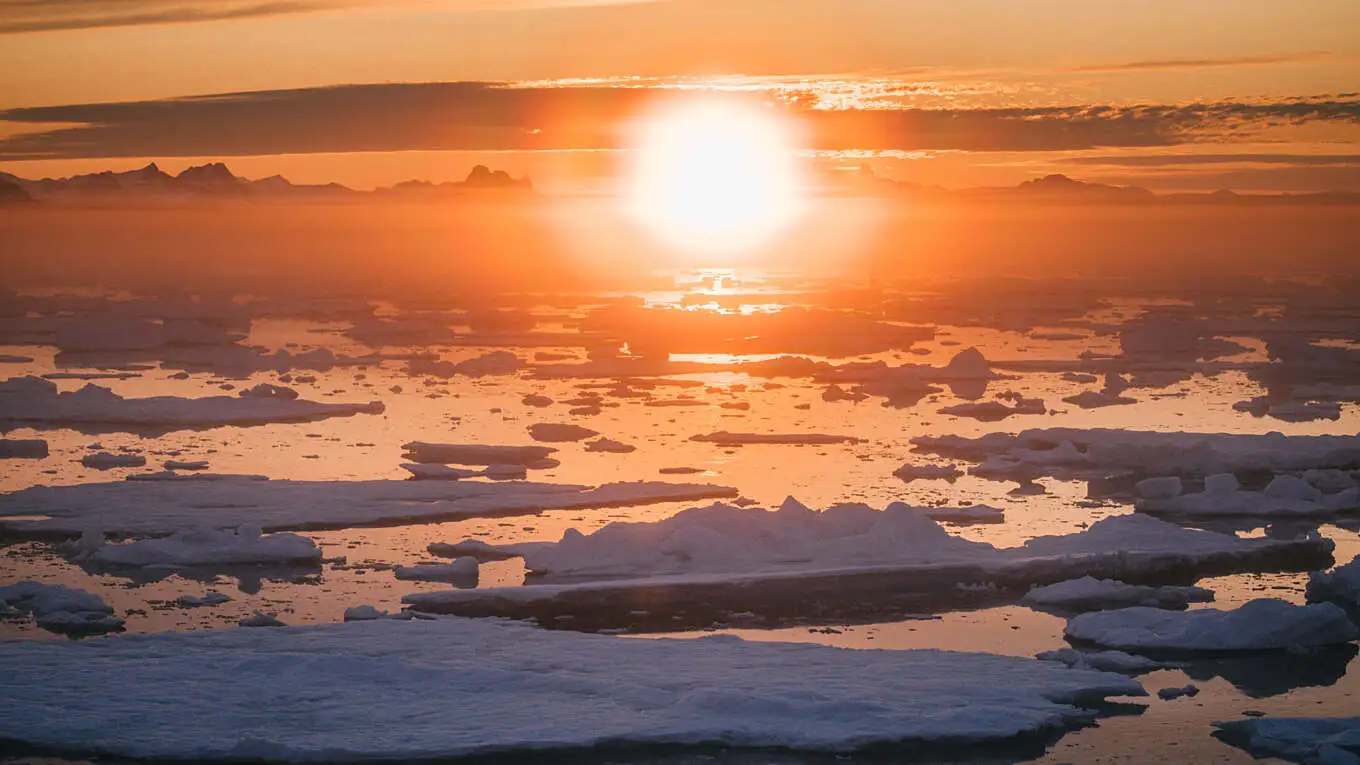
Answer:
(1061, 189)
(216, 180)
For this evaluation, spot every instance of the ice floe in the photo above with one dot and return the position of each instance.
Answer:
(1262, 624)
(210, 547)
(704, 560)
(1285, 495)
(1304, 740)
(23, 448)
(995, 411)
(384, 689)
(140, 508)
(1090, 594)
(609, 445)
(551, 432)
(912, 472)
(1100, 452)
(1102, 661)
(476, 454)
(460, 571)
(35, 400)
(58, 608)
(1340, 585)
(724, 438)
(107, 461)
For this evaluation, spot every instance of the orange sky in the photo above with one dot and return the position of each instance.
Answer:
(847, 54)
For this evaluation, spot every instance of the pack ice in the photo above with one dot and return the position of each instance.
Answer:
(383, 689)
(149, 508)
(1312, 741)
(58, 608)
(1075, 453)
(1261, 624)
(209, 547)
(35, 400)
(752, 558)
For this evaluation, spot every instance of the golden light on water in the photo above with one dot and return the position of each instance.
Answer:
(715, 176)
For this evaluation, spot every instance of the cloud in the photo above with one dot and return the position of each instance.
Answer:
(21, 16)
(1174, 160)
(1203, 63)
(498, 116)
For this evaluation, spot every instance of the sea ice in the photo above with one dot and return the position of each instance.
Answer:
(210, 547)
(461, 570)
(912, 472)
(148, 508)
(58, 608)
(1340, 585)
(608, 445)
(33, 399)
(1261, 624)
(724, 438)
(1073, 453)
(475, 454)
(995, 411)
(1091, 594)
(1308, 741)
(1102, 661)
(105, 461)
(33, 448)
(424, 690)
(552, 433)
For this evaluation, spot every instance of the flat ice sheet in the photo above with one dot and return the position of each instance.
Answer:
(165, 507)
(399, 690)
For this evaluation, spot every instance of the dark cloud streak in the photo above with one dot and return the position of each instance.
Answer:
(495, 116)
(48, 16)
(1203, 63)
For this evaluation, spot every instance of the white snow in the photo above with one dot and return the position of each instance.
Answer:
(1340, 585)
(475, 454)
(59, 608)
(724, 438)
(1091, 594)
(1261, 624)
(461, 570)
(1311, 741)
(1092, 453)
(105, 461)
(30, 448)
(149, 508)
(912, 472)
(720, 546)
(993, 411)
(552, 432)
(261, 619)
(609, 445)
(1166, 487)
(1101, 661)
(33, 399)
(1286, 495)
(410, 690)
(210, 547)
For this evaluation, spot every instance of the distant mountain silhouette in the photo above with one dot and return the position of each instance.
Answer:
(12, 193)
(216, 180)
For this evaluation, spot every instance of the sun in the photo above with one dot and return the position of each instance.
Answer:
(715, 176)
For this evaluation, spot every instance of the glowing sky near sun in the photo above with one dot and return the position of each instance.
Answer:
(853, 56)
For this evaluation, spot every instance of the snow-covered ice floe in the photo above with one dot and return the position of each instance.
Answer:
(1101, 661)
(58, 608)
(1075, 453)
(383, 689)
(148, 508)
(210, 547)
(846, 560)
(1285, 496)
(1305, 740)
(1090, 594)
(724, 438)
(475, 454)
(35, 400)
(1262, 624)
(23, 448)
(1340, 585)
(460, 571)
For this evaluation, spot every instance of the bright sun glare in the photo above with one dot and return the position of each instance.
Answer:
(715, 176)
